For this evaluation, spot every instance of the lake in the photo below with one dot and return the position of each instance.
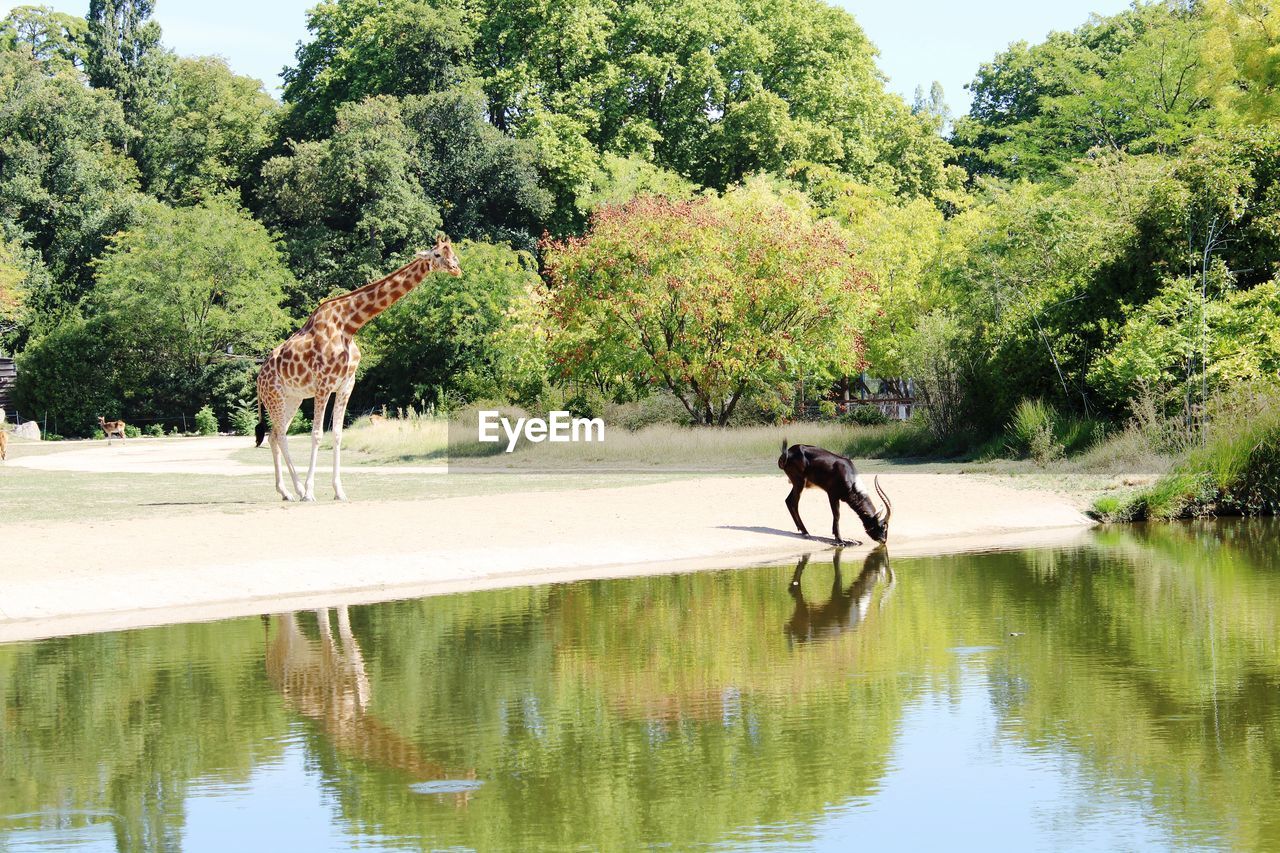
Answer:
(1120, 694)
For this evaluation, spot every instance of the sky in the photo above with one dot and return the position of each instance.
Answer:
(919, 42)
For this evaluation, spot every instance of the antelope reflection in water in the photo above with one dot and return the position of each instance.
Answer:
(326, 682)
(846, 609)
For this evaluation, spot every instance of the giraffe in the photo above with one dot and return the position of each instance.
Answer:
(327, 683)
(320, 360)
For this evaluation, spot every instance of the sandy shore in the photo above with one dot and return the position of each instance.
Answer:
(74, 577)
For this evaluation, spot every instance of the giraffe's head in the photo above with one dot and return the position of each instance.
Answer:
(442, 258)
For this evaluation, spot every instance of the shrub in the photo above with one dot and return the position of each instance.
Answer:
(1234, 471)
(131, 431)
(155, 430)
(98, 435)
(244, 417)
(864, 416)
(1079, 434)
(1033, 433)
(300, 425)
(770, 405)
(658, 408)
(225, 385)
(937, 355)
(206, 422)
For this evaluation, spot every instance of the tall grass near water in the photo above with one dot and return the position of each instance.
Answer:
(1233, 470)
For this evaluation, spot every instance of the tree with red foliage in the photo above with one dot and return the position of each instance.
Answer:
(712, 298)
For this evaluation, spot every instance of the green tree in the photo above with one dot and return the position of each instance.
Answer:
(51, 37)
(484, 182)
(453, 339)
(901, 244)
(174, 297)
(122, 44)
(202, 282)
(1138, 81)
(711, 299)
(1245, 35)
(693, 86)
(362, 48)
(347, 203)
(65, 182)
(22, 279)
(203, 131)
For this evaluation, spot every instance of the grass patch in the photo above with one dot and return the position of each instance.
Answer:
(1234, 471)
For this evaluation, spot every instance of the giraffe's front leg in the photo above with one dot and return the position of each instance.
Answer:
(339, 417)
(317, 433)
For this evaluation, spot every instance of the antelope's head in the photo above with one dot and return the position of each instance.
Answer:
(877, 524)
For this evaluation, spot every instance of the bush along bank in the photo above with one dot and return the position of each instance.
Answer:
(1235, 471)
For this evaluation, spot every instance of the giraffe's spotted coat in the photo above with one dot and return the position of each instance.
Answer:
(321, 358)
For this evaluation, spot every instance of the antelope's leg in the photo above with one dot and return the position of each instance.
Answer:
(793, 504)
(835, 520)
(796, 575)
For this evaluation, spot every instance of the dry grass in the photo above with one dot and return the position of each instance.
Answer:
(413, 437)
(661, 446)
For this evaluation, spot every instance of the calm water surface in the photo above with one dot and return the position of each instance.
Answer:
(1125, 694)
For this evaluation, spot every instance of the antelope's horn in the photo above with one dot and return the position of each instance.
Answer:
(888, 507)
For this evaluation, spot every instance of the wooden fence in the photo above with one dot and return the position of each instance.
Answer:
(895, 397)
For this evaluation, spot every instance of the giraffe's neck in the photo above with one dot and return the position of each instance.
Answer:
(365, 303)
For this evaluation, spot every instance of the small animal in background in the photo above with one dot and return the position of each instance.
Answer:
(376, 419)
(111, 428)
(806, 465)
(4, 444)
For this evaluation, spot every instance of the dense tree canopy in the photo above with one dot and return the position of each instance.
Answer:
(714, 90)
(174, 298)
(204, 131)
(1138, 81)
(348, 202)
(66, 183)
(49, 36)
(1104, 219)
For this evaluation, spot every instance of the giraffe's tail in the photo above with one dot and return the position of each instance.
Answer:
(262, 424)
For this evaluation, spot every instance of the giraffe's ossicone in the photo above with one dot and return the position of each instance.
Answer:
(320, 360)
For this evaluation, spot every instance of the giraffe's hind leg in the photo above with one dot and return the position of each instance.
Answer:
(282, 413)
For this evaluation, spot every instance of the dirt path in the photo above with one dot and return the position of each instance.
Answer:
(68, 577)
(213, 455)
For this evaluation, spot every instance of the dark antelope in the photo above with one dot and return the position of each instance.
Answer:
(846, 609)
(806, 465)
